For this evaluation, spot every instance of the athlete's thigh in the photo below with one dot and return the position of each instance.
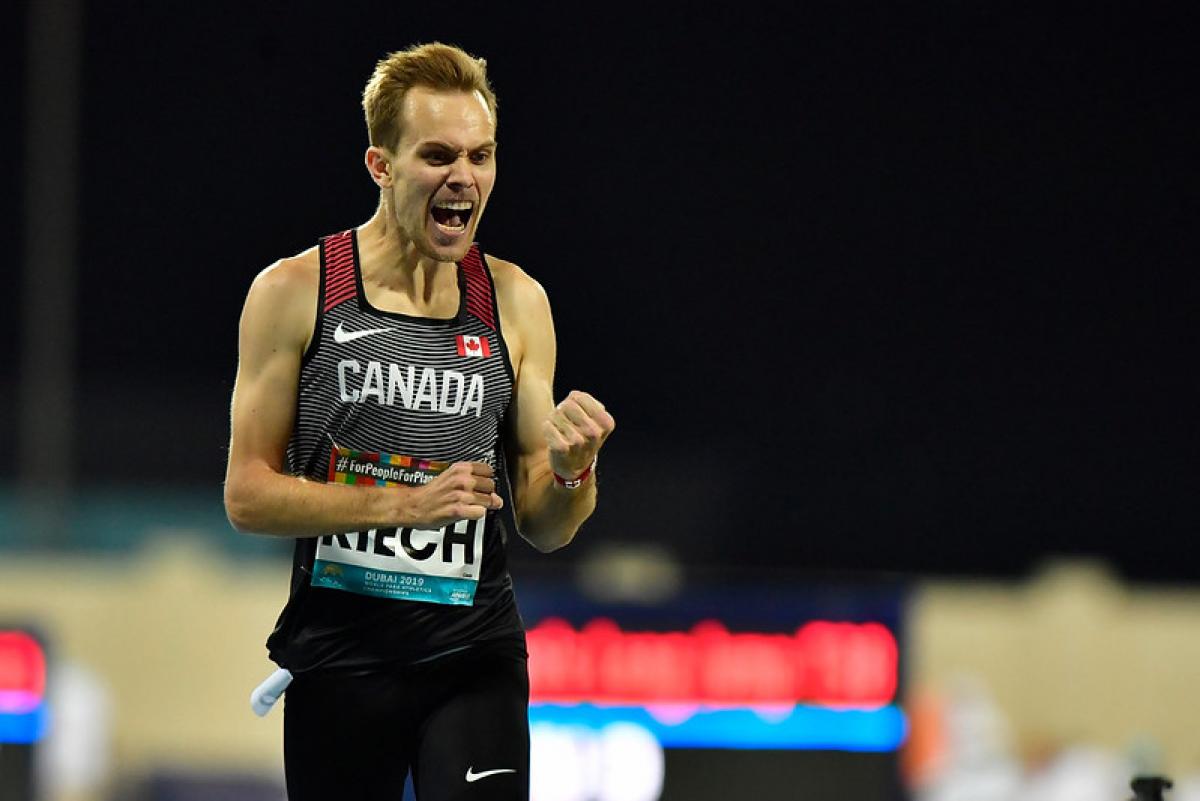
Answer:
(475, 744)
(346, 737)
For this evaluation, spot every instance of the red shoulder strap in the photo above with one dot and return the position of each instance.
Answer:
(337, 263)
(479, 287)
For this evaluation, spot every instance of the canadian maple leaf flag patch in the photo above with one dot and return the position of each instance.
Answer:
(473, 346)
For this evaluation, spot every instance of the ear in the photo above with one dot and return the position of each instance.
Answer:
(379, 165)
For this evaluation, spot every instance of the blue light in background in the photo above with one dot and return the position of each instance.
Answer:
(803, 728)
(24, 727)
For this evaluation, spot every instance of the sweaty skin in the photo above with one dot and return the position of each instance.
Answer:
(446, 153)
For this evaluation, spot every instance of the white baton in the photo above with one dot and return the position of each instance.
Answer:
(264, 696)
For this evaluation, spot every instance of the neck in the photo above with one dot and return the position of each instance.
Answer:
(390, 258)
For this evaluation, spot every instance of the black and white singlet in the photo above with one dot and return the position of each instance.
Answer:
(388, 399)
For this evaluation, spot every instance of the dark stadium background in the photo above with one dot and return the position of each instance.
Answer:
(868, 287)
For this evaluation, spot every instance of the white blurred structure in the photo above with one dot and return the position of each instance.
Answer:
(1081, 773)
(980, 764)
(1187, 788)
(620, 762)
(75, 761)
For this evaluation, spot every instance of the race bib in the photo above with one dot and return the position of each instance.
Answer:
(440, 566)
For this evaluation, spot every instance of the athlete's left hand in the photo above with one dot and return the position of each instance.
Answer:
(575, 431)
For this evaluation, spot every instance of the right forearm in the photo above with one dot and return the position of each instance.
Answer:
(265, 502)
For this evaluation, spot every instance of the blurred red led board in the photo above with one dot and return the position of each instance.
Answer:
(822, 663)
(22, 671)
(23, 710)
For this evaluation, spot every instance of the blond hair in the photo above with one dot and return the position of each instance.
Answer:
(436, 66)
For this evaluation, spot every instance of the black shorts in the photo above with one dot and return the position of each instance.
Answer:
(460, 723)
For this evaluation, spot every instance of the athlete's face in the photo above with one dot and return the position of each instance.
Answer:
(443, 170)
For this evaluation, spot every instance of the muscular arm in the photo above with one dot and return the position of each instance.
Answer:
(260, 496)
(546, 438)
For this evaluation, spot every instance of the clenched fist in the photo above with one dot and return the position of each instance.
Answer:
(574, 433)
(464, 491)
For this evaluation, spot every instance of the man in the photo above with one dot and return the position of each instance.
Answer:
(393, 413)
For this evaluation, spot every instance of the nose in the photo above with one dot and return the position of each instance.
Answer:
(461, 176)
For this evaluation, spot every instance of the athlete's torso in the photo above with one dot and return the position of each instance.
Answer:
(386, 399)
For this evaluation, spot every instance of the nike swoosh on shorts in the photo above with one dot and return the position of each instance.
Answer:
(472, 776)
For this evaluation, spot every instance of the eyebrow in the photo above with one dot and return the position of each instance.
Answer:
(491, 143)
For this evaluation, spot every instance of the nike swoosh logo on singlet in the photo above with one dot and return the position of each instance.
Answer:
(340, 335)
(474, 777)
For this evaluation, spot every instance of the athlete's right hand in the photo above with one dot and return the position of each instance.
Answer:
(463, 491)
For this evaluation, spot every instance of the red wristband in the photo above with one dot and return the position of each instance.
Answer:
(577, 482)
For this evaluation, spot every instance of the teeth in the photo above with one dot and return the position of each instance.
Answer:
(456, 205)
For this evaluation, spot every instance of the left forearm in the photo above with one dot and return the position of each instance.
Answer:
(549, 513)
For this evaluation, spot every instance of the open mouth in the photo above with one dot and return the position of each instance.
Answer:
(453, 215)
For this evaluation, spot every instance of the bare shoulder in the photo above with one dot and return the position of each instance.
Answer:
(515, 288)
(294, 275)
(524, 313)
(282, 301)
